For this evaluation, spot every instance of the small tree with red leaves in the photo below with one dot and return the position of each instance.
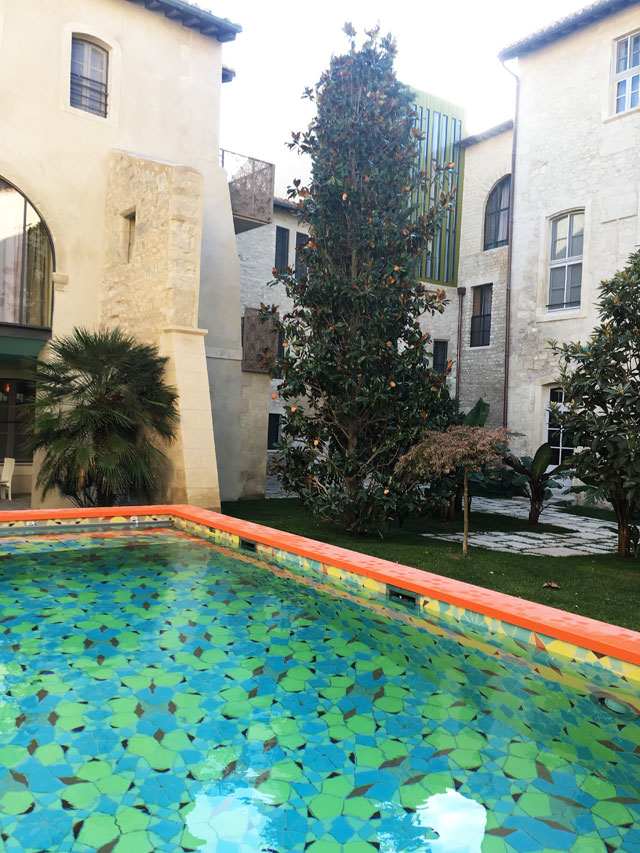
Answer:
(462, 447)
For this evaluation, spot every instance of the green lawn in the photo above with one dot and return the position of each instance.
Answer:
(602, 587)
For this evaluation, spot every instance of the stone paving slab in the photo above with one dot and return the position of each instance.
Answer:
(587, 536)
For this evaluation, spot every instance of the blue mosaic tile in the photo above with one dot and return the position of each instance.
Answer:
(164, 694)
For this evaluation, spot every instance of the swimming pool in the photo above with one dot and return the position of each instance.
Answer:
(165, 692)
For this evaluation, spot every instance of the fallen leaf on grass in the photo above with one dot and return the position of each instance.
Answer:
(551, 585)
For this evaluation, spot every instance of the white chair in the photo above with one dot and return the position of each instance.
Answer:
(6, 475)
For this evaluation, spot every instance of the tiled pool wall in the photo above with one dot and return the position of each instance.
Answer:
(471, 627)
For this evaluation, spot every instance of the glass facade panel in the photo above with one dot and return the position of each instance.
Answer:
(26, 262)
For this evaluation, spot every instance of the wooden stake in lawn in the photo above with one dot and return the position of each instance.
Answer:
(467, 447)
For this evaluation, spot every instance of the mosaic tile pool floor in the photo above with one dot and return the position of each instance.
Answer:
(160, 694)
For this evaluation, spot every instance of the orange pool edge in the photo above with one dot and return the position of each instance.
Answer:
(602, 638)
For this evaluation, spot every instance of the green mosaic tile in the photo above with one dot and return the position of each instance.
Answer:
(164, 695)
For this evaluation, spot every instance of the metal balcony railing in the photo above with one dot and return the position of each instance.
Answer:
(89, 95)
(250, 187)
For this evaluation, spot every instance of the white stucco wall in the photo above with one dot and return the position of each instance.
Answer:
(572, 153)
(164, 96)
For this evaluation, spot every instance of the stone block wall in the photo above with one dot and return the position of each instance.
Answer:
(150, 289)
(480, 369)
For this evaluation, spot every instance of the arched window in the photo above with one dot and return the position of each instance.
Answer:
(496, 217)
(26, 262)
(89, 75)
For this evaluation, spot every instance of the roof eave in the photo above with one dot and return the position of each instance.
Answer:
(565, 27)
(193, 17)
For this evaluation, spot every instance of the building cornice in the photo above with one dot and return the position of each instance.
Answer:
(565, 27)
(193, 17)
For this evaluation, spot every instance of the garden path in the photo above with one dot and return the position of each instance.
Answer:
(588, 535)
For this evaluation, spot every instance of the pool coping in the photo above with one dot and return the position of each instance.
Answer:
(601, 638)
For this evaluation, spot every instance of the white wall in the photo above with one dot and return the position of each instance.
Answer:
(572, 153)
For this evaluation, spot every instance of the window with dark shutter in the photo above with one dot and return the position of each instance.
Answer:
(481, 316)
(282, 249)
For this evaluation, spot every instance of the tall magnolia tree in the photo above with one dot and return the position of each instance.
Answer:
(601, 385)
(355, 370)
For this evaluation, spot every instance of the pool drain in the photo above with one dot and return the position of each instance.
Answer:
(616, 707)
(402, 596)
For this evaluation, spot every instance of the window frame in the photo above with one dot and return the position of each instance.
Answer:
(480, 332)
(496, 192)
(85, 95)
(558, 450)
(566, 262)
(629, 75)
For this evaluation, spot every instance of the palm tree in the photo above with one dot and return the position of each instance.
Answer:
(100, 407)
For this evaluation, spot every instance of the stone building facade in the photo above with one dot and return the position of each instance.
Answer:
(475, 341)
(114, 155)
(259, 252)
(577, 168)
(572, 212)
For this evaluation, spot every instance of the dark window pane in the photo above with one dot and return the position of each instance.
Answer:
(555, 456)
(557, 287)
(273, 434)
(496, 223)
(440, 349)
(481, 317)
(575, 282)
(282, 249)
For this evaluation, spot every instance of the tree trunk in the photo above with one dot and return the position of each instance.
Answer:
(623, 512)
(465, 535)
(534, 513)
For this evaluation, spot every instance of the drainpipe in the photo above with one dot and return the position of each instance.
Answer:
(507, 325)
(461, 292)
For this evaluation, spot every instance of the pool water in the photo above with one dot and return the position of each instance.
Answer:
(161, 694)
